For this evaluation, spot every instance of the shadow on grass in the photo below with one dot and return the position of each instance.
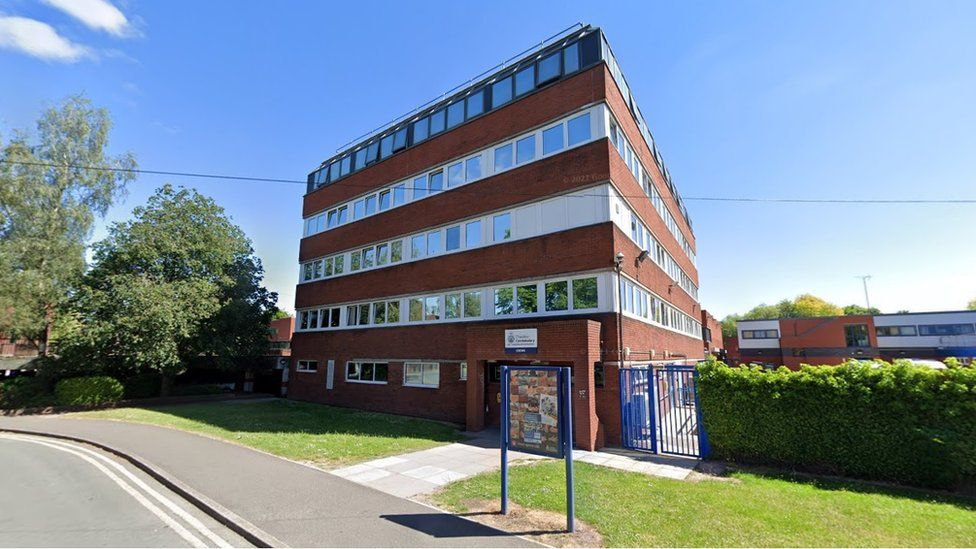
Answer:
(287, 416)
(829, 483)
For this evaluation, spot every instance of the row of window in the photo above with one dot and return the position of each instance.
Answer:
(463, 235)
(631, 102)
(554, 296)
(644, 304)
(760, 334)
(926, 330)
(415, 374)
(496, 93)
(548, 140)
(643, 237)
(643, 177)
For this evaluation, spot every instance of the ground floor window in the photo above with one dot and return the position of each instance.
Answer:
(307, 366)
(421, 374)
(367, 372)
(463, 369)
(599, 376)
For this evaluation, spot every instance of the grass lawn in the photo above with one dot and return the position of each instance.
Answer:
(323, 435)
(630, 509)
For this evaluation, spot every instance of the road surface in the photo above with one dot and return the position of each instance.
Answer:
(55, 493)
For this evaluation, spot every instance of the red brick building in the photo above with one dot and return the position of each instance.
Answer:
(533, 203)
(832, 340)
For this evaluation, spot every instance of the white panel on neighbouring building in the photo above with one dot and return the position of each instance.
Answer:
(764, 327)
(330, 375)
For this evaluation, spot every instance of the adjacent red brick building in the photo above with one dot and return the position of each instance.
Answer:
(533, 203)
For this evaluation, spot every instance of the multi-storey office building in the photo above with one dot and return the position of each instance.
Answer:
(502, 207)
(832, 340)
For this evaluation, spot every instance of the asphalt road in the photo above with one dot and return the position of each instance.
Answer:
(63, 494)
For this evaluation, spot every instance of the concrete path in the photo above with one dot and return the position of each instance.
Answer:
(298, 505)
(423, 472)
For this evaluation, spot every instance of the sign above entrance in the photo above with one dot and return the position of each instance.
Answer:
(522, 342)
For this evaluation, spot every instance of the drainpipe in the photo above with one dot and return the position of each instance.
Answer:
(618, 262)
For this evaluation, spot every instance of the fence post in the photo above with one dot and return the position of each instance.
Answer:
(704, 447)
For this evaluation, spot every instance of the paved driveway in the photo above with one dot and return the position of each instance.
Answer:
(298, 505)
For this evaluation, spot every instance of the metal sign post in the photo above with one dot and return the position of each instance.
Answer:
(542, 409)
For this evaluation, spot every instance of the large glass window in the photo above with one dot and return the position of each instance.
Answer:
(400, 139)
(329, 261)
(371, 205)
(472, 234)
(549, 68)
(339, 263)
(372, 152)
(528, 299)
(452, 238)
(557, 296)
(525, 80)
(432, 308)
(345, 166)
(355, 261)
(396, 251)
(399, 194)
(416, 309)
(343, 215)
(334, 171)
(420, 128)
(421, 374)
(472, 168)
(379, 312)
(369, 257)
(360, 159)
(472, 304)
(332, 219)
(503, 301)
(358, 209)
(552, 139)
(436, 182)
(384, 200)
(437, 122)
(455, 114)
(420, 187)
(452, 306)
(476, 104)
(392, 311)
(382, 254)
(455, 175)
(856, 335)
(434, 243)
(525, 149)
(571, 58)
(386, 146)
(579, 129)
(367, 372)
(501, 92)
(503, 157)
(584, 293)
(502, 227)
(418, 246)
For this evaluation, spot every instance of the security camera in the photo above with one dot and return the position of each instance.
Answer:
(643, 255)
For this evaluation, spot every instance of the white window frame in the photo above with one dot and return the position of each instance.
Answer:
(345, 374)
(305, 369)
(423, 367)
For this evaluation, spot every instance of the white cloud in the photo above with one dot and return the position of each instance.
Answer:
(95, 14)
(39, 39)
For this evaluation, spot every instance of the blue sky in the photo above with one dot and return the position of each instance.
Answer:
(746, 99)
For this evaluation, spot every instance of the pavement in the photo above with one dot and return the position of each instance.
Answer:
(424, 472)
(65, 494)
(286, 502)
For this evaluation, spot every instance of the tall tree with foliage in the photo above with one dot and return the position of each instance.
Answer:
(53, 184)
(178, 283)
(854, 309)
(972, 305)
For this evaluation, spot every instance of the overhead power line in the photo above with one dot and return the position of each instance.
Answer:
(514, 193)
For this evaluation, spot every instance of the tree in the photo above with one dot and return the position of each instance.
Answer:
(50, 196)
(279, 314)
(971, 305)
(854, 309)
(178, 283)
(729, 325)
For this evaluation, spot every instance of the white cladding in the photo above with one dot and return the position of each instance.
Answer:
(762, 343)
(927, 319)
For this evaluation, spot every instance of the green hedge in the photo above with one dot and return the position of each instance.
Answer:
(92, 390)
(195, 390)
(898, 423)
(143, 386)
(25, 392)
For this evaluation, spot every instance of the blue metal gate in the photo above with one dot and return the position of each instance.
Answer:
(659, 411)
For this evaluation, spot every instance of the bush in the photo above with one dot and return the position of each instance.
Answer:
(143, 386)
(24, 392)
(194, 390)
(92, 390)
(899, 423)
